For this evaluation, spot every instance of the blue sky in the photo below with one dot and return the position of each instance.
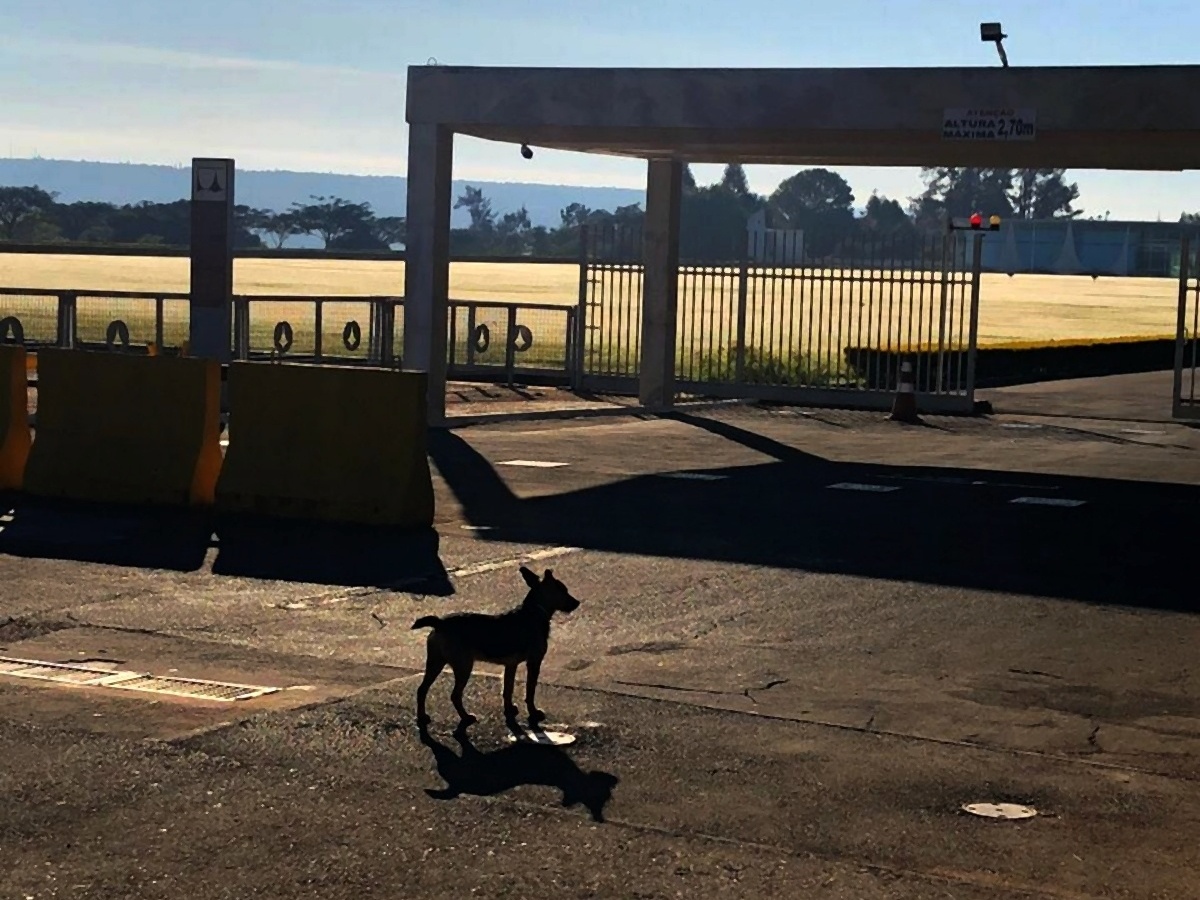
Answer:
(319, 84)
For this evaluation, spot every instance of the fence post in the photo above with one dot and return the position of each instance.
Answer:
(510, 354)
(158, 323)
(1181, 326)
(241, 328)
(577, 362)
(973, 339)
(743, 293)
(318, 317)
(68, 320)
(470, 334)
(949, 260)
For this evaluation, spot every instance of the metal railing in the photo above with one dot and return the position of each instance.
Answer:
(487, 340)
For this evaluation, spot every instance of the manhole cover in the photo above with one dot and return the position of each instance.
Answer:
(1000, 810)
(550, 738)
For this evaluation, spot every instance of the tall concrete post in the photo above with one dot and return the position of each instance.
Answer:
(427, 259)
(211, 259)
(664, 188)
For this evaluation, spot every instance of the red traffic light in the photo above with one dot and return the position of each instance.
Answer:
(976, 220)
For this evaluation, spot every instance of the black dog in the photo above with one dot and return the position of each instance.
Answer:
(521, 635)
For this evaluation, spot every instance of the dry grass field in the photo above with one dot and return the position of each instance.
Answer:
(1024, 308)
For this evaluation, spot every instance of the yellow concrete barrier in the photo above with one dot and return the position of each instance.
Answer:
(335, 443)
(14, 417)
(114, 427)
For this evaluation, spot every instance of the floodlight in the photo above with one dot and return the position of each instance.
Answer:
(991, 32)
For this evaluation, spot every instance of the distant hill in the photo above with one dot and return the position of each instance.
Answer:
(122, 183)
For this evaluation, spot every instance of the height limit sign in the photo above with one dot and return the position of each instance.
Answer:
(989, 125)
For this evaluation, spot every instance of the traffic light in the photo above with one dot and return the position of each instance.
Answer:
(976, 221)
(994, 223)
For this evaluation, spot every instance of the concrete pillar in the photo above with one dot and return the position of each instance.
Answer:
(211, 259)
(656, 381)
(427, 259)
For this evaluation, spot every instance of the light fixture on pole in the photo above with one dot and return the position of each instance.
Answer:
(991, 32)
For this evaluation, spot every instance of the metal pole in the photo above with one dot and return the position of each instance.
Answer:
(578, 364)
(743, 291)
(973, 339)
(318, 317)
(1181, 327)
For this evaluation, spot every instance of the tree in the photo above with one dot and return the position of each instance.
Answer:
(689, 180)
(734, 180)
(333, 219)
(20, 207)
(958, 192)
(478, 207)
(819, 202)
(279, 227)
(1045, 194)
(391, 229)
(885, 218)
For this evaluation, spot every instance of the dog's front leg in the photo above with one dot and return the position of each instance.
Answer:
(510, 681)
(532, 668)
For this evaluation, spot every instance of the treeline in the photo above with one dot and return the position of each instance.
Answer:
(713, 217)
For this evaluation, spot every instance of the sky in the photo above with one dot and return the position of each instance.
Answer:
(318, 85)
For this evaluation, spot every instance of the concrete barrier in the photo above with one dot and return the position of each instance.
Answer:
(14, 417)
(334, 443)
(114, 427)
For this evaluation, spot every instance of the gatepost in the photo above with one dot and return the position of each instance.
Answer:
(211, 259)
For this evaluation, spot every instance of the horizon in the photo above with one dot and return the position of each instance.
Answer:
(121, 85)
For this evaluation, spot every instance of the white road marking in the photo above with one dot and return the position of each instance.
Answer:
(1140, 431)
(494, 565)
(855, 486)
(1047, 501)
(532, 463)
(692, 476)
(1019, 425)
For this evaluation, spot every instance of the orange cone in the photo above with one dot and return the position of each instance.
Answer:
(904, 407)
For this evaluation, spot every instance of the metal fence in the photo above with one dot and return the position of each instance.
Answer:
(487, 340)
(1185, 400)
(835, 329)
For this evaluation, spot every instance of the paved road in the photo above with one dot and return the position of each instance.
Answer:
(785, 679)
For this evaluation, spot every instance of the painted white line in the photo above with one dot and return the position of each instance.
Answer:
(494, 565)
(1140, 431)
(855, 486)
(692, 476)
(224, 442)
(476, 527)
(532, 463)
(1048, 501)
(1019, 425)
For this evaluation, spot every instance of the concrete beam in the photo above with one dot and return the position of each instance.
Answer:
(427, 259)
(1121, 117)
(660, 284)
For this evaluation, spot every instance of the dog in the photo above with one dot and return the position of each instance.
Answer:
(521, 635)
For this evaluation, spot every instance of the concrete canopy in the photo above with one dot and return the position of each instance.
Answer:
(1117, 117)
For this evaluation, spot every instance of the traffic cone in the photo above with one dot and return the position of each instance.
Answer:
(904, 407)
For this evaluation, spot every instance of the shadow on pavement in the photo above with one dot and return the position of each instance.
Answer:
(487, 773)
(1129, 544)
(101, 533)
(181, 539)
(323, 553)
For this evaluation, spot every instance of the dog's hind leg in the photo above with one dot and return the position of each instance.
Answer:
(434, 663)
(510, 679)
(532, 669)
(462, 674)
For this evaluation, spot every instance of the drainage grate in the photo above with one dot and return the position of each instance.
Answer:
(85, 676)
(193, 687)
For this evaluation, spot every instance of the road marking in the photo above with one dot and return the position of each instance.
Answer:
(224, 442)
(494, 565)
(692, 476)
(1140, 431)
(93, 676)
(1047, 501)
(532, 463)
(968, 481)
(1025, 425)
(855, 486)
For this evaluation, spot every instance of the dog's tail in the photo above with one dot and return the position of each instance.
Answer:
(426, 622)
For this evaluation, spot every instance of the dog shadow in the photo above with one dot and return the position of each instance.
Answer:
(485, 773)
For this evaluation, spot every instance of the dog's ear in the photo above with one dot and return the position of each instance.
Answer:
(549, 576)
(531, 578)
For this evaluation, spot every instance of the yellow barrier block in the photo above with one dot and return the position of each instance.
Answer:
(335, 443)
(113, 427)
(14, 417)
